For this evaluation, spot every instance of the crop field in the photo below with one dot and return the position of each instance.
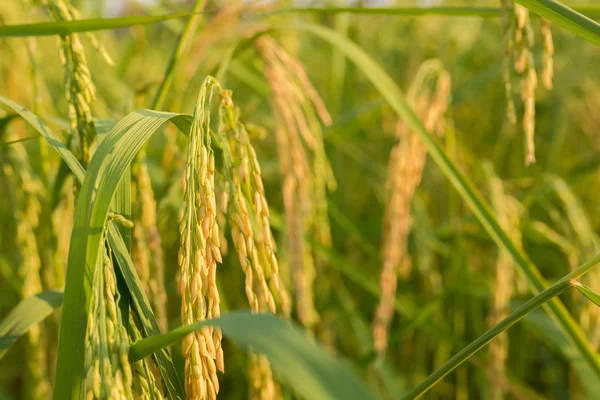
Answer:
(269, 200)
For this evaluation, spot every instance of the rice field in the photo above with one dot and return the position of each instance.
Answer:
(312, 200)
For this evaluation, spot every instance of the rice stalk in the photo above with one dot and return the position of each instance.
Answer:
(306, 172)
(518, 47)
(198, 256)
(252, 236)
(249, 220)
(405, 168)
(218, 31)
(80, 90)
(179, 50)
(507, 31)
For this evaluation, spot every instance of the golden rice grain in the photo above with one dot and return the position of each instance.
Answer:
(405, 168)
(198, 257)
(306, 175)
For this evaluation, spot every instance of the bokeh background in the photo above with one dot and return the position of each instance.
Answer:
(445, 301)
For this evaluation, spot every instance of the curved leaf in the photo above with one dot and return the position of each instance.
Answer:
(543, 326)
(27, 313)
(588, 292)
(306, 367)
(108, 165)
(140, 303)
(49, 135)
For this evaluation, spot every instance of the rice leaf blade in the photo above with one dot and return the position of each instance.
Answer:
(83, 25)
(27, 313)
(140, 302)
(588, 292)
(542, 325)
(106, 169)
(49, 135)
(308, 369)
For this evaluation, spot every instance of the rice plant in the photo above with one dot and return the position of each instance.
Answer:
(225, 200)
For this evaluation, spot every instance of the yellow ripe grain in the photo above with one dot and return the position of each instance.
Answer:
(296, 105)
(405, 168)
(198, 256)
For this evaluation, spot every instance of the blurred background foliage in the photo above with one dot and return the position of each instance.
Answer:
(444, 303)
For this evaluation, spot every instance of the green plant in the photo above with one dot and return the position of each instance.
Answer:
(264, 171)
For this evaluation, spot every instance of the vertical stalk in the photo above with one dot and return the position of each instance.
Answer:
(183, 43)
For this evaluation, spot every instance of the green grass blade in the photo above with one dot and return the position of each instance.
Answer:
(106, 169)
(49, 135)
(27, 313)
(182, 45)
(545, 296)
(140, 302)
(588, 292)
(82, 25)
(122, 200)
(303, 365)
(470, 195)
(541, 325)
(103, 126)
(565, 17)
(121, 205)
(585, 238)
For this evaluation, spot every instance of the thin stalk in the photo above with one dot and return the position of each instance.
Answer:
(548, 294)
(182, 45)
(338, 67)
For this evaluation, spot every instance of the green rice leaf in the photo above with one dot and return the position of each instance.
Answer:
(27, 313)
(303, 365)
(543, 326)
(106, 169)
(140, 302)
(565, 17)
(588, 292)
(49, 135)
(82, 25)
